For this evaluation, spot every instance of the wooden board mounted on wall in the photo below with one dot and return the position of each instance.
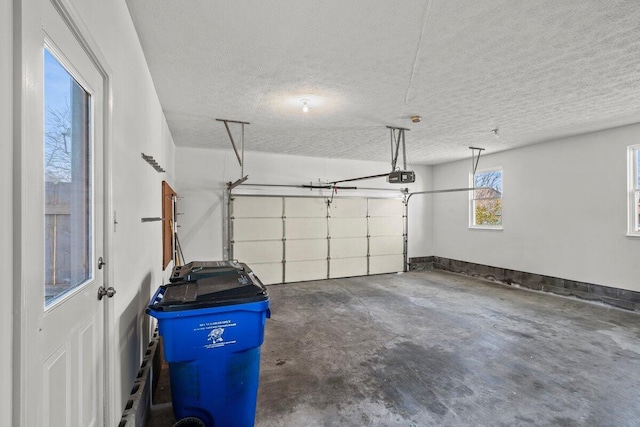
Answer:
(168, 224)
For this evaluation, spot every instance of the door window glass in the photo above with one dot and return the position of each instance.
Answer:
(68, 186)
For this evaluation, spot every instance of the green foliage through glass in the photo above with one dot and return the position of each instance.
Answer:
(487, 201)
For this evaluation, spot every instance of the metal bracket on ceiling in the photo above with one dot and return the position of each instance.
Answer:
(475, 160)
(232, 185)
(240, 155)
(397, 138)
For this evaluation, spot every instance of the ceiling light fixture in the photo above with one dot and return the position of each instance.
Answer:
(495, 132)
(305, 105)
(416, 119)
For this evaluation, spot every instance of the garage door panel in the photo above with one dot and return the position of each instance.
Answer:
(314, 243)
(301, 207)
(348, 227)
(386, 245)
(349, 208)
(254, 207)
(254, 252)
(312, 249)
(386, 226)
(347, 267)
(305, 228)
(297, 271)
(257, 229)
(386, 264)
(386, 207)
(348, 248)
(268, 273)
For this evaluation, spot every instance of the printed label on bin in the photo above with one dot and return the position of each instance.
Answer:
(216, 337)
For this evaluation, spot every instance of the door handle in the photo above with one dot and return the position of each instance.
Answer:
(108, 292)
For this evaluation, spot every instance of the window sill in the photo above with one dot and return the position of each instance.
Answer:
(488, 227)
(634, 235)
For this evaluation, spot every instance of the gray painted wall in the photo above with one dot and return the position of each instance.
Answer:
(564, 207)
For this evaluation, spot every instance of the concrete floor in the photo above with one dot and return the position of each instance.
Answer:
(434, 348)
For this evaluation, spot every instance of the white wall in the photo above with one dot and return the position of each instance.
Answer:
(202, 174)
(564, 207)
(6, 217)
(137, 124)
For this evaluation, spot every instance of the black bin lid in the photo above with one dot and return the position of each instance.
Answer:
(239, 288)
(199, 269)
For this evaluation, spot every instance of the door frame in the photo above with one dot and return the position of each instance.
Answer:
(27, 94)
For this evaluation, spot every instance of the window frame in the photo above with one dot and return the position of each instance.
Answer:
(472, 210)
(633, 191)
(57, 54)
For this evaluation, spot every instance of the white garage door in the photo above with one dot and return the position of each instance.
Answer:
(290, 239)
(386, 241)
(348, 246)
(258, 231)
(305, 239)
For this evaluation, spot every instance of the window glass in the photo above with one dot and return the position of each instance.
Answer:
(486, 206)
(67, 176)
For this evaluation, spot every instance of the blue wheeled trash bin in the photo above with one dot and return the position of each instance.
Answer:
(212, 329)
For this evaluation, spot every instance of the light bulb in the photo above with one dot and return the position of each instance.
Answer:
(305, 107)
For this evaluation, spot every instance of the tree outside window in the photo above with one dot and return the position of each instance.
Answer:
(486, 205)
(67, 180)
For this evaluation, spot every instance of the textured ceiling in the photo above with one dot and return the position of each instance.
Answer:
(535, 69)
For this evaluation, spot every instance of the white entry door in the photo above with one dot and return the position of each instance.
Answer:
(63, 328)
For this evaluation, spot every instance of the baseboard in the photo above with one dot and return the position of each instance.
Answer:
(621, 298)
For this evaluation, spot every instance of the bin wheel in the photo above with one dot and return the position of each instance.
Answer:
(190, 422)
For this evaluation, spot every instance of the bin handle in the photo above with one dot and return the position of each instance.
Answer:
(157, 297)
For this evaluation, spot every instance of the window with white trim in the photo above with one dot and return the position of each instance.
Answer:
(486, 202)
(634, 190)
(67, 181)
